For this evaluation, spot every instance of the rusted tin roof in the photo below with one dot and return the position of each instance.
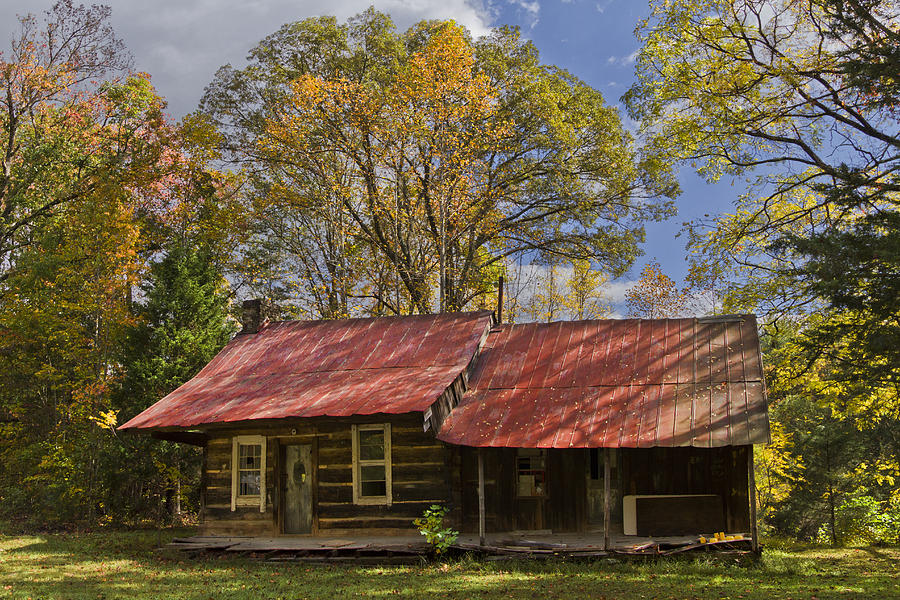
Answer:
(325, 368)
(615, 383)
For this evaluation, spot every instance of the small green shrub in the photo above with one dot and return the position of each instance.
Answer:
(861, 519)
(431, 525)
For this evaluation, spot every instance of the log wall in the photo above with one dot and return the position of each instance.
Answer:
(421, 473)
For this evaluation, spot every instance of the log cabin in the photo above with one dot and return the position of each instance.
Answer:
(356, 426)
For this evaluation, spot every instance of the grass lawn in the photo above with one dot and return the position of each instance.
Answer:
(127, 565)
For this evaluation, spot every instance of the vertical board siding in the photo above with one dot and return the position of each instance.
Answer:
(720, 471)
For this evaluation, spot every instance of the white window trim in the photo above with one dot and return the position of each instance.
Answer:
(357, 497)
(237, 499)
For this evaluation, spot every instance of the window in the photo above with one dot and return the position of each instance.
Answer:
(248, 471)
(530, 465)
(372, 464)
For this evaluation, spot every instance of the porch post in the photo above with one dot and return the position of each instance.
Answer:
(606, 486)
(751, 484)
(481, 496)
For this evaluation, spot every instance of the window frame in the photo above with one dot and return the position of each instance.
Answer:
(358, 498)
(237, 499)
(542, 454)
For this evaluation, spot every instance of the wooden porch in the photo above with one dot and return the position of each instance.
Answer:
(412, 549)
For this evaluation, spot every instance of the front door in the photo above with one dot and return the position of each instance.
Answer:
(297, 488)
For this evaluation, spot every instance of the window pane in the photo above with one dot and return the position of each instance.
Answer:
(373, 488)
(531, 472)
(249, 456)
(249, 483)
(373, 473)
(371, 445)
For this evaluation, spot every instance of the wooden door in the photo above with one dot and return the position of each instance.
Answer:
(297, 482)
(595, 488)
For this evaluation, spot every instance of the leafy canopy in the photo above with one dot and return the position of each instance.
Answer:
(400, 169)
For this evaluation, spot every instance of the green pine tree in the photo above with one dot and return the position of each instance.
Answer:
(182, 323)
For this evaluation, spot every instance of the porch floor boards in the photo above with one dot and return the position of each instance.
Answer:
(399, 548)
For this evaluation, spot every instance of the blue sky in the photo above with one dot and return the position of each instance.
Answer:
(595, 40)
(182, 42)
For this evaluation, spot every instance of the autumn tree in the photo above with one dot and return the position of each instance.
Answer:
(446, 155)
(655, 295)
(546, 296)
(181, 323)
(799, 99)
(831, 473)
(94, 180)
(556, 289)
(62, 316)
(74, 120)
(585, 297)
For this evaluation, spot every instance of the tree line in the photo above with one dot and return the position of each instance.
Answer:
(351, 169)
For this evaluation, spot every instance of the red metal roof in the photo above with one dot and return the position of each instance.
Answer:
(615, 383)
(325, 368)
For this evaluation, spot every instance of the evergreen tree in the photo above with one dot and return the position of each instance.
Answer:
(182, 323)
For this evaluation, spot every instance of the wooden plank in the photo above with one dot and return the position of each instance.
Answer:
(566, 489)
(342, 474)
(366, 523)
(396, 510)
(481, 496)
(606, 488)
(751, 479)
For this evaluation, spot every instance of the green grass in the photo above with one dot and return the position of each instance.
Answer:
(113, 564)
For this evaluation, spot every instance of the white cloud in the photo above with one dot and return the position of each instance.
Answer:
(531, 8)
(623, 61)
(615, 290)
(602, 6)
(182, 43)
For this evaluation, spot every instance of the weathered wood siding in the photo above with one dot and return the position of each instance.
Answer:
(562, 509)
(721, 471)
(216, 516)
(421, 473)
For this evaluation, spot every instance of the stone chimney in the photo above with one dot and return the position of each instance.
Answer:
(251, 317)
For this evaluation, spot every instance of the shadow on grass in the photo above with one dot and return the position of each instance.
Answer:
(128, 565)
